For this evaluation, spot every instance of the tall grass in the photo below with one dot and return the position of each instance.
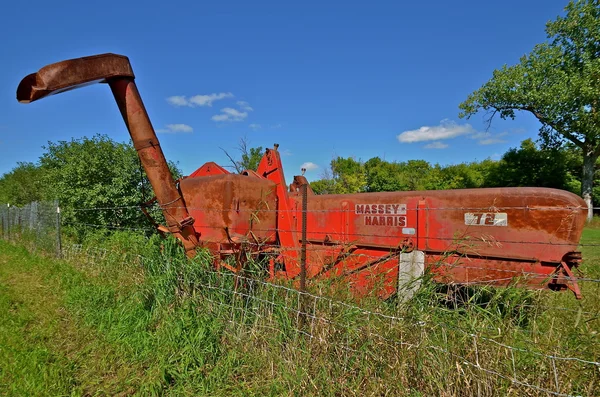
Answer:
(185, 329)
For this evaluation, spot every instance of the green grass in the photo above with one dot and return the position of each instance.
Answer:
(107, 322)
(44, 350)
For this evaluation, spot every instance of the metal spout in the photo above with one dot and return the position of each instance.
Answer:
(117, 72)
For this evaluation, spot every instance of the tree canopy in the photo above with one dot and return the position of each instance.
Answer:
(84, 174)
(249, 157)
(558, 83)
(22, 185)
(530, 166)
(526, 165)
(97, 172)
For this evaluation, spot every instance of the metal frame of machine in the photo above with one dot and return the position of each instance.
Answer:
(500, 236)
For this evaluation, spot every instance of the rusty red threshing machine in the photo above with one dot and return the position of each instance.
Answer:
(372, 241)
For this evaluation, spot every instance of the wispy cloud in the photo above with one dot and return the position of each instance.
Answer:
(487, 138)
(446, 130)
(309, 166)
(207, 100)
(491, 141)
(256, 127)
(230, 114)
(436, 145)
(480, 135)
(245, 106)
(178, 100)
(175, 128)
(198, 100)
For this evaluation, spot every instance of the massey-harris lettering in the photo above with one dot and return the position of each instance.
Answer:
(382, 214)
(399, 221)
(384, 209)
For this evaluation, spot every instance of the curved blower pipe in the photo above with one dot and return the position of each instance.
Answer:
(117, 72)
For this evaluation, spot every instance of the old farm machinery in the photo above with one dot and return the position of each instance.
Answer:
(372, 241)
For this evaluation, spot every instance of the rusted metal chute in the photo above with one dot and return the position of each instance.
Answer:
(375, 242)
(117, 72)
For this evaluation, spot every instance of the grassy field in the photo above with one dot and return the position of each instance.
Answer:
(105, 321)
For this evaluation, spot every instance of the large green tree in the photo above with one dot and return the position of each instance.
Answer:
(461, 176)
(529, 165)
(574, 161)
(22, 185)
(383, 176)
(98, 182)
(346, 175)
(558, 83)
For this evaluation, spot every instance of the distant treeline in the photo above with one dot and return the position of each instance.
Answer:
(98, 172)
(527, 165)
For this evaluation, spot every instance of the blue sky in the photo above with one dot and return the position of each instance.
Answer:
(321, 78)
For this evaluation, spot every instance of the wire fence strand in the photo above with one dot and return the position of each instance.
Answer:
(360, 334)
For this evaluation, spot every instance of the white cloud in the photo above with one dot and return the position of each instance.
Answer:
(480, 135)
(491, 141)
(487, 138)
(436, 145)
(177, 100)
(276, 126)
(255, 127)
(230, 114)
(220, 117)
(446, 130)
(198, 100)
(308, 166)
(175, 128)
(207, 100)
(245, 106)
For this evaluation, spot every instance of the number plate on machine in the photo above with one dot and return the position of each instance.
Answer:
(486, 218)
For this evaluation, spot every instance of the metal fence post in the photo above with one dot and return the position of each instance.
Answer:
(58, 241)
(302, 308)
(303, 189)
(19, 222)
(2, 222)
(35, 220)
(8, 222)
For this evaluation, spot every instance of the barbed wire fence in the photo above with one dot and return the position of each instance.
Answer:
(481, 358)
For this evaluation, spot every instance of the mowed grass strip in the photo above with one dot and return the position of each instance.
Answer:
(76, 328)
(44, 351)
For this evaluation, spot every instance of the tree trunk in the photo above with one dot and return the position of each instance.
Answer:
(587, 179)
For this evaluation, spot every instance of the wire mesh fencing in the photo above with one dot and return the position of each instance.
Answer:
(38, 224)
(421, 342)
(487, 344)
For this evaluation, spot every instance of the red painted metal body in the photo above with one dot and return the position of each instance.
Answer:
(473, 236)
(499, 236)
